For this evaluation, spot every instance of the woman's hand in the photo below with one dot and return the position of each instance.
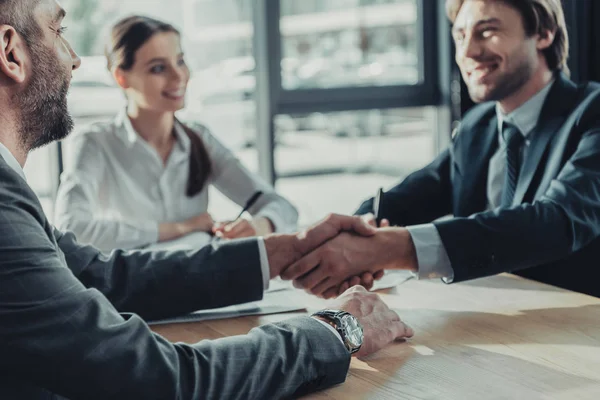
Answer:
(174, 230)
(200, 223)
(243, 228)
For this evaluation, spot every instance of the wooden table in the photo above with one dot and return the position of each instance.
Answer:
(495, 338)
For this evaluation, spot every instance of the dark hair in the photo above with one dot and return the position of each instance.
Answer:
(539, 16)
(19, 15)
(126, 37)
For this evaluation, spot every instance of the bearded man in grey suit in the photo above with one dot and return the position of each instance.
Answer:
(63, 328)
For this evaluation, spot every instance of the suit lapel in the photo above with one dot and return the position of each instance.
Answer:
(557, 106)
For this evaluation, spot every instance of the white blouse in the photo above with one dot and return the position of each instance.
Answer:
(117, 190)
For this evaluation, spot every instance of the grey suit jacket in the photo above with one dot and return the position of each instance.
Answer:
(71, 319)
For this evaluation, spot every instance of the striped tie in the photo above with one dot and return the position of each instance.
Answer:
(514, 140)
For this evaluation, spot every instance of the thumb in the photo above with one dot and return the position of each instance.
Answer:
(369, 218)
(362, 227)
(384, 223)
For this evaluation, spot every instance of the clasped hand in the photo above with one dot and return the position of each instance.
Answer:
(342, 251)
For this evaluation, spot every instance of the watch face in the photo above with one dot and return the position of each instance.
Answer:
(353, 330)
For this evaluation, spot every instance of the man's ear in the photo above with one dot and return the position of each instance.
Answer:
(545, 39)
(121, 78)
(13, 54)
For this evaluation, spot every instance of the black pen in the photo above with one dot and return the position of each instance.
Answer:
(378, 207)
(249, 203)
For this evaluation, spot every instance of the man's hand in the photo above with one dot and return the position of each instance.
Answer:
(283, 250)
(367, 279)
(381, 325)
(349, 255)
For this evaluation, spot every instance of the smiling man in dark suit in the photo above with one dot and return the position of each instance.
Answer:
(521, 177)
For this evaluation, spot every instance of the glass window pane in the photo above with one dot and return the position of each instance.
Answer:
(332, 162)
(344, 43)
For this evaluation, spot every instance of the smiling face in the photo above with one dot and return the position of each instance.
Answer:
(495, 55)
(159, 76)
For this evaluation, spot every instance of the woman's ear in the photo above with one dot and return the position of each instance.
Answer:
(13, 54)
(121, 78)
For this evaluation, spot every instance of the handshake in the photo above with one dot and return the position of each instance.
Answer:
(340, 252)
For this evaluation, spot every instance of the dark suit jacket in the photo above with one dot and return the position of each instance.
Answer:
(551, 231)
(61, 332)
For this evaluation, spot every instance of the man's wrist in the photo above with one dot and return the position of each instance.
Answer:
(282, 250)
(399, 247)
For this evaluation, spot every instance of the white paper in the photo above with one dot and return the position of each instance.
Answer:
(272, 303)
(392, 279)
(278, 284)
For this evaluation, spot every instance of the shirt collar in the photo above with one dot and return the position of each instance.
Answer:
(11, 161)
(124, 130)
(525, 118)
(127, 133)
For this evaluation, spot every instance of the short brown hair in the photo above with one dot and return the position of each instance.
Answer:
(19, 15)
(538, 16)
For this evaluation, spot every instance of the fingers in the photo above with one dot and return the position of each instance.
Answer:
(302, 267)
(334, 292)
(366, 279)
(322, 287)
(238, 229)
(369, 218)
(330, 227)
(401, 330)
(361, 227)
(378, 274)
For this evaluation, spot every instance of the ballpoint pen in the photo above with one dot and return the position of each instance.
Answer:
(249, 204)
(378, 207)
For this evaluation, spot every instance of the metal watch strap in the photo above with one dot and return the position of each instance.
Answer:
(335, 317)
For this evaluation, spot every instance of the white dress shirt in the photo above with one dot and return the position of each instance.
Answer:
(118, 190)
(11, 161)
(432, 257)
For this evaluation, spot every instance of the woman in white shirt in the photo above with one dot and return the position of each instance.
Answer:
(142, 180)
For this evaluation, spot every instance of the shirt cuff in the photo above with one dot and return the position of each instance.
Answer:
(432, 257)
(331, 329)
(264, 262)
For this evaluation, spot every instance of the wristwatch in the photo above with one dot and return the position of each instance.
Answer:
(346, 325)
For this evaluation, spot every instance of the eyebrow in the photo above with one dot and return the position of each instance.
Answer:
(60, 15)
(157, 59)
(478, 23)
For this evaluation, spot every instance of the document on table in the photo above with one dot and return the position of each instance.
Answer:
(391, 279)
(272, 303)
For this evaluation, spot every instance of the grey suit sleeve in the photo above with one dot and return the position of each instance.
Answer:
(157, 284)
(59, 335)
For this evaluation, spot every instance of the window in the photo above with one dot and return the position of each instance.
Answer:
(331, 162)
(356, 100)
(334, 43)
